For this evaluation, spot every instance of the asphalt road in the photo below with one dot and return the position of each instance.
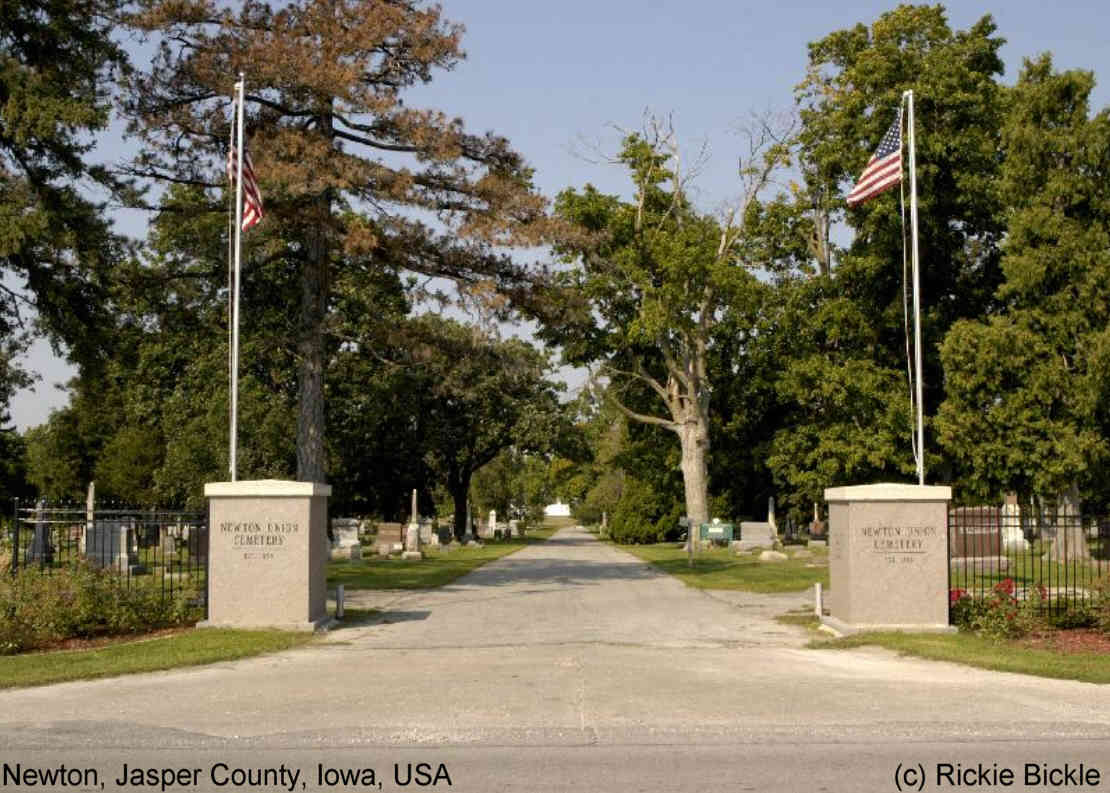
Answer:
(567, 666)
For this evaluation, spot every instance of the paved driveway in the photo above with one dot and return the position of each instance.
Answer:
(570, 643)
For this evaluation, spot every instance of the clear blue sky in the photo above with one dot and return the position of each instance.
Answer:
(549, 76)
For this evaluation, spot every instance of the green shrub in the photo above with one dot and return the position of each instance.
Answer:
(1081, 615)
(630, 527)
(39, 609)
(1100, 608)
(1000, 615)
(964, 608)
(635, 518)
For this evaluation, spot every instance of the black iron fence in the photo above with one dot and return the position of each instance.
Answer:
(1049, 552)
(155, 547)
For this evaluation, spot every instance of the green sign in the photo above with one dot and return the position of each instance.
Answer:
(717, 531)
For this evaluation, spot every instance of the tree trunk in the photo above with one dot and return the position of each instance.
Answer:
(695, 444)
(694, 439)
(459, 491)
(310, 349)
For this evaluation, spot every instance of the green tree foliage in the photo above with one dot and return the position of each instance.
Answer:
(841, 311)
(1027, 389)
(56, 63)
(150, 425)
(657, 276)
(354, 179)
(471, 396)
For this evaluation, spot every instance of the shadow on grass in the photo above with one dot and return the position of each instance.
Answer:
(722, 569)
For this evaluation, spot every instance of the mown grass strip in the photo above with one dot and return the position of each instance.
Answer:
(205, 646)
(438, 567)
(972, 650)
(723, 569)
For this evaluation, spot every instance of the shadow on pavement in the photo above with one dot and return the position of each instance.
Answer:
(566, 572)
(401, 616)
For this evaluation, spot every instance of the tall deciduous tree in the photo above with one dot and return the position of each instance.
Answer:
(1028, 389)
(476, 396)
(841, 312)
(658, 277)
(354, 178)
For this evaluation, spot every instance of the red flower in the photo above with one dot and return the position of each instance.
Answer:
(954, 596)
(1005, 587)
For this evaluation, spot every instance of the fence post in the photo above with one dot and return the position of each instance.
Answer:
(15, 535)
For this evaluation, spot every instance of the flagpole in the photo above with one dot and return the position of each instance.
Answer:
(919, 387)
(240, 90)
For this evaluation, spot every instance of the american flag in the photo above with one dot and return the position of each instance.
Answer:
(252, 198)
(885, 168)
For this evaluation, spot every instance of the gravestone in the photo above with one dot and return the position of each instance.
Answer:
(975, 539)
(1070, 543)
(975, 531)
(754, 534)
(345, 544)
(888, 558)
(412, 534)
(112, 543)
(819, 528)
(389, 535)
(412, 543)
(90, 516)
(267, 559)
(1013, 537)
(196, 540)
(169, 538)
(41, 549)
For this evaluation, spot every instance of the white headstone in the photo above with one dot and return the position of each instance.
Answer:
(346, 544)
(1013, 538)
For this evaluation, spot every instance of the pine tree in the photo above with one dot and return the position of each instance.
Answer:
(354, 180)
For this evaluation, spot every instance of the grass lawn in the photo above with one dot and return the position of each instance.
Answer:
(966, 648)
(206, 646)
(438, 567)
(722, 569)
(193, 647)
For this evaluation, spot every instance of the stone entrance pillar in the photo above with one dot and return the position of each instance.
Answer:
(267, 555)
(888, 558)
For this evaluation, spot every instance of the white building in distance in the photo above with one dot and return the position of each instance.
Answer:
(557, 510)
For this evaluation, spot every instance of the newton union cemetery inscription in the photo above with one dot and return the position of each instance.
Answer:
(898, 542)
(260, 539)
(267, 554)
